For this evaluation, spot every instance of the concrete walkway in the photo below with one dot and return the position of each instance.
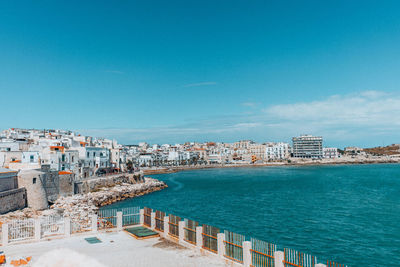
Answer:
(119, 249)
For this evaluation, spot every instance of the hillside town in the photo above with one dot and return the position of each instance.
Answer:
(39, 166)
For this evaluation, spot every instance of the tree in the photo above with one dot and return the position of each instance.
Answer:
(129, 166)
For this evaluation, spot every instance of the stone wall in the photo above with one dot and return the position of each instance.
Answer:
(66, 184)
(51, 184)
(12, 200)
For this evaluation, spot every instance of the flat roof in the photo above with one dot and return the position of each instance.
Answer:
(5, 170)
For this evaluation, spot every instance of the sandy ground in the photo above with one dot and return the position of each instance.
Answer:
(119, 249)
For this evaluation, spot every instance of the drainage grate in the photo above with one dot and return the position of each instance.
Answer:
(141, 232)
(92, 240)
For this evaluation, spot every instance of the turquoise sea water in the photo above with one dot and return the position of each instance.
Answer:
(347, 213)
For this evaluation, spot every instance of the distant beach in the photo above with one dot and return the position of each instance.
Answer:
(172, 169)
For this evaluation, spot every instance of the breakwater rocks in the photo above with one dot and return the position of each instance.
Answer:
(90, 202)
(80, 207)
(96, 183)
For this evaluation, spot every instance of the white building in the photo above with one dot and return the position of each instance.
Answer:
(31, 157)
(146, 160)
(277, 151)
(307, 146)
(9, 146)
(330, 152)
(257, 150)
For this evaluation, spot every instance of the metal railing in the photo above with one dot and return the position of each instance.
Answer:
(52, 225)
(174, 225)
(130, 216)
(210, 238)
(262, 253)
(107, 218)
(334, 264)
(298, 259)
(147, 216)
(160, 220)
(234, 246)
(21, 230)
(190, 231)
(79, 225)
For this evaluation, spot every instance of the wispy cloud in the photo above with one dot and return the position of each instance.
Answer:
(115, 71)
(353, 119)
(199, 84)
(249, 104)
(203, 129)
(368, 108)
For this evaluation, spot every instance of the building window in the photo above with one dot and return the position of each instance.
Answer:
(31, 158)
(34, 181)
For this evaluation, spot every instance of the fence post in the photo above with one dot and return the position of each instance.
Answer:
(119, 220)
(94, 223)
(166, 226)
(38, 230)
(221, 245)
(246, 253)
(67, 226)
(4, 232)
(199, 237)
(279, 256)
(141, 216)
(153, 220)
(181, 230)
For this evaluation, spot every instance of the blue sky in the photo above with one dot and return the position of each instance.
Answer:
(175, 71)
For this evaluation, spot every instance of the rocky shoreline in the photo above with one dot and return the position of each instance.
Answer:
(80, 207)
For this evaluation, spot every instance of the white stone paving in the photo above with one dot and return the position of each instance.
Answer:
(118, 249)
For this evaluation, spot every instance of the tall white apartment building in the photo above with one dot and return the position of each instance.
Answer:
(307, 146)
